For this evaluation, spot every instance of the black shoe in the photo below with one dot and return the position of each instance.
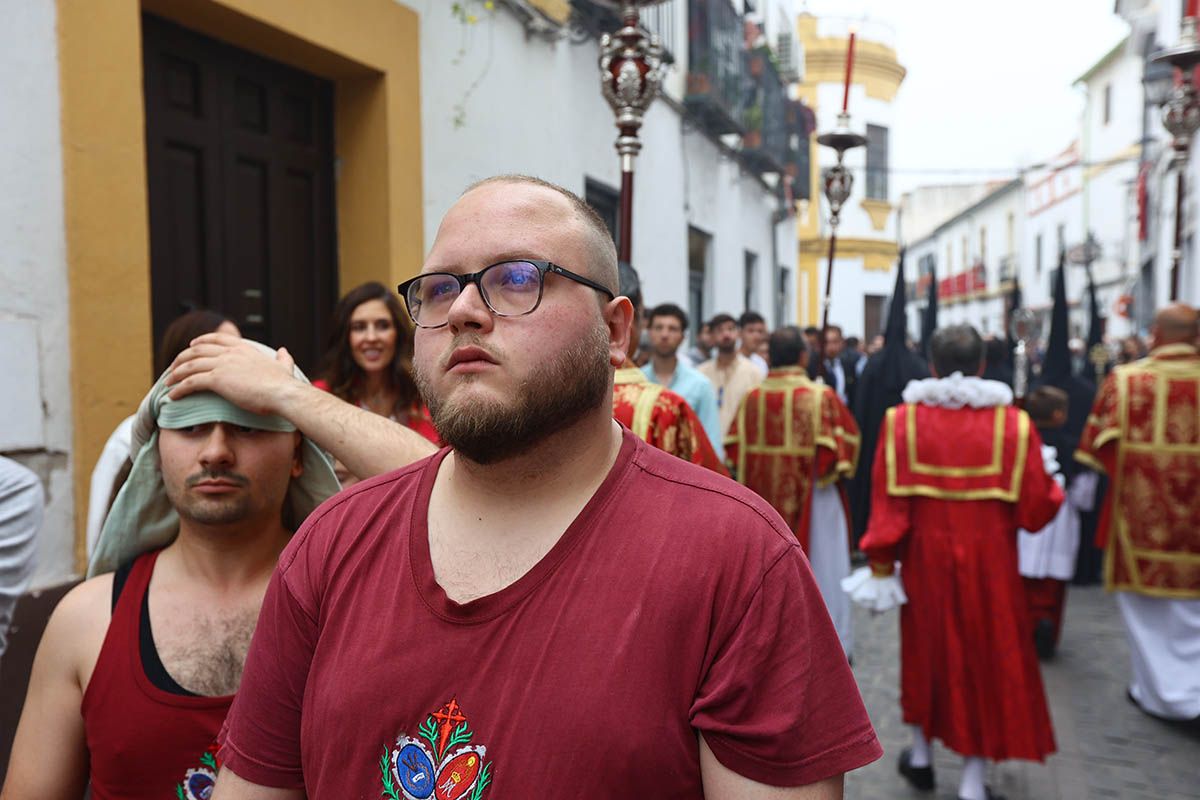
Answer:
(1043, 639)
(919, 777)
(990, 795)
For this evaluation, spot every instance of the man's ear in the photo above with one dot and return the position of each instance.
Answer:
(618, 317)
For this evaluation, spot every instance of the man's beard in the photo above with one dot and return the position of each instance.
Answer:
(554, 397)
(727, 347)
(211, 510)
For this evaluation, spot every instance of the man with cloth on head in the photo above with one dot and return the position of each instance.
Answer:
(138, 665)
(957, 471)
(794, 443)
(1144, 433)
(548, 606)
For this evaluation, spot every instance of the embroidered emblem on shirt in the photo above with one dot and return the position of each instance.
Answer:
(198, 782)
(440, 763)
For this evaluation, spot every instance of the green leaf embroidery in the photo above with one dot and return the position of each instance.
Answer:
(207, 760)
(461, 734)
(179, 791)
(485, 777)
(428, 730)
(389, 787)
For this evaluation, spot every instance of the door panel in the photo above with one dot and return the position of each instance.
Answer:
(240, 171)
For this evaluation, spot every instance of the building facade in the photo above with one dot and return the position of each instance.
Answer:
(866, 246)
(264, 156)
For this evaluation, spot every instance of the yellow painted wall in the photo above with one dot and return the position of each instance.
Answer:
(370, 48)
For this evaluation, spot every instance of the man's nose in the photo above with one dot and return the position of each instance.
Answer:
(218, 447)
(469, 311)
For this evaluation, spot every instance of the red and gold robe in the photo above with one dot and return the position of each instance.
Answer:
(950, 488)
(1144, 432)
(661, 418)
(790, 435)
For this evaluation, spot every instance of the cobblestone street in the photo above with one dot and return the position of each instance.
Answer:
(1106, 747)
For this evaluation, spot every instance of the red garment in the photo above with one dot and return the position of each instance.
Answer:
(417, 419)
(676, 602)
(1046, 598)
(950, 489)
(144, 742)
(662, 419)
(781, 426)
(1144, 432)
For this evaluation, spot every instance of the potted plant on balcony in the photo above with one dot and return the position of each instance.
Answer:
(699, 79)
(752, 120)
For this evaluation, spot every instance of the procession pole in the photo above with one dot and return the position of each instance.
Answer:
(630, 78)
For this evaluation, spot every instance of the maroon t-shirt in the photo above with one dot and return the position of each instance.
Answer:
(676, 603)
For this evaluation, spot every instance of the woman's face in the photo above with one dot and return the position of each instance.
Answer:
(372, 336)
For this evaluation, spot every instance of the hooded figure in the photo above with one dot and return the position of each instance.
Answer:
(142, 518)
(929, 317)
(879, 387)
(1081, 393)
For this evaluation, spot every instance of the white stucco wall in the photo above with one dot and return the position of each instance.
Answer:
(536, 108)
(35, 415)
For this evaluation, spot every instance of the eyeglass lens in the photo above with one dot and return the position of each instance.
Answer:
(510, 289)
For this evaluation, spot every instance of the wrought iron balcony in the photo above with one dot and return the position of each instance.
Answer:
(716, 67)
(595, 19)
(764, 118)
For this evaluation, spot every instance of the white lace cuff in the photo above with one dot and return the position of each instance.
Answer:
(874, 593)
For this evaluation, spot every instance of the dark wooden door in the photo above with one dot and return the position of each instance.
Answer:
(240, 167)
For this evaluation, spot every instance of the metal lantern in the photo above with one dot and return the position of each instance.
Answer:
(631, 73)
(1025, 327)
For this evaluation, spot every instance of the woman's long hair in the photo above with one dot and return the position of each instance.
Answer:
(181, 331)
(338, 368)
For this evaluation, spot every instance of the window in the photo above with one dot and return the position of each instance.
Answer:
(1060, 239)
(1011, 238)
(699, 250)
(1037, 254)
(873, 305)
(1107, 103)
(606, 201)
(877, 162)
(982, 245)
(750, 284)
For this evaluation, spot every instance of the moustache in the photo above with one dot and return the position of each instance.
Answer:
(207, 475)
(467, 340)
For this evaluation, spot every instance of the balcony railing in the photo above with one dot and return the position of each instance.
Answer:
(764, 117)
(716, 81)
(597, 19)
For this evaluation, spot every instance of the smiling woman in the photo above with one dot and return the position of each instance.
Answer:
(368, 361)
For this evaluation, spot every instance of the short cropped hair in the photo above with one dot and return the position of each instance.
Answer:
(1044, 402)
(837, 328)
(668, 310)
(603, 249)
(812, 330)
(629, 284)
(786, 346)
(721, 319)
(956, 348)
(750, 318)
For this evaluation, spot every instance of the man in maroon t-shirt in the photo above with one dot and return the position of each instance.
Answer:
(548, 607)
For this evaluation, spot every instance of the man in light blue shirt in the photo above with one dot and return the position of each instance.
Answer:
(668, 324)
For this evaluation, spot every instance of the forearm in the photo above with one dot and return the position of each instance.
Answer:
(367, 443)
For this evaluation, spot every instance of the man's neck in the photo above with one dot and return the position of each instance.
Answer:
(746, 353)
(573, 460)
(664, 367)
(726, 360)
(227, 556)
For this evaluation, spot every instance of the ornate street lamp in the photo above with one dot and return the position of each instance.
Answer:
(838, 183)
(631, 73)
(1181, 118)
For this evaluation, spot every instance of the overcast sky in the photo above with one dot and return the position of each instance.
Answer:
(989, 85)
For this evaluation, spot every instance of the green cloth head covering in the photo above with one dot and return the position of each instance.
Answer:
(142, 518)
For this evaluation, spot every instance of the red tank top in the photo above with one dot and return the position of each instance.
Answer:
(145, 742)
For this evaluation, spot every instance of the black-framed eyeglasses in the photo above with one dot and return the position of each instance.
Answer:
(510, 289)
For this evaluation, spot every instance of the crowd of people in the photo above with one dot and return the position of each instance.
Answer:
(494, 548)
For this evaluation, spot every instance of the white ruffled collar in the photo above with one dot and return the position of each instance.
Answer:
(958, 391)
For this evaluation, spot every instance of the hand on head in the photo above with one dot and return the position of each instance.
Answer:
(235, 369)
